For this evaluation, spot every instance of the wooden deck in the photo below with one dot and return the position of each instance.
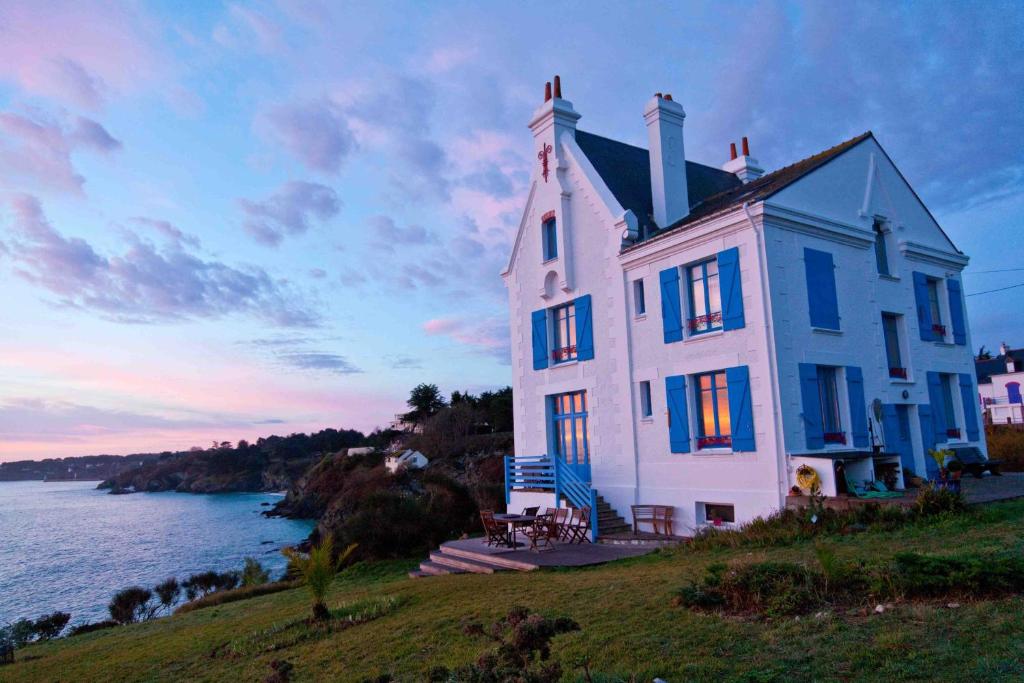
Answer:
(473, 555)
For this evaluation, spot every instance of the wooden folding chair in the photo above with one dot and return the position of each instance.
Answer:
(497, 534)
(543, 533)
(581, 528)
(530, 512)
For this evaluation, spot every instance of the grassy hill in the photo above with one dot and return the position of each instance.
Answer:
(628, 624)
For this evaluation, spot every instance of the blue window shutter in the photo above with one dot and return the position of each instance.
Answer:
(540, 339)
(821, 289)
(584, 329)
(732, 289)
(924, 309)
(811, 406)
(924, 412)
(678, 416)
(671, 310)
(970, 399)
(858, 410)
(741, 408)
(956, 311)
(938, 408)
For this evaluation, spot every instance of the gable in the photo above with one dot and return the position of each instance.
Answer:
(858, 184)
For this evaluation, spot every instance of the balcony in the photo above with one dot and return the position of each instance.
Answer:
(714, 442)
(939, 330)
(898, 373)
(563, 354)
(703, 323)
(835, 437)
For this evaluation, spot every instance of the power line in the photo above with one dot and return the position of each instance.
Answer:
(997, 270)
(989, 291)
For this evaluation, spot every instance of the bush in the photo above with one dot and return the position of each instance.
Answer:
(236, 594)
(131, 605)
(1007, 444)
(937, 501)
(770, 588)
(50, 625)
(90, 627)
(253, 574)
(167, 593)
(202, 584)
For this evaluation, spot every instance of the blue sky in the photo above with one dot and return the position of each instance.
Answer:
(225, 220)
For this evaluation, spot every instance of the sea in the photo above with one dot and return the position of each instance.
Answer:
(68, 546)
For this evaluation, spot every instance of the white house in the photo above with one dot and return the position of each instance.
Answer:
(689, 335)
(999, 386)
(361, 450)
(406, 459)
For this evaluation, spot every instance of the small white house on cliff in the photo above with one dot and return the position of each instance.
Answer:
(689, 335)
(999, 383)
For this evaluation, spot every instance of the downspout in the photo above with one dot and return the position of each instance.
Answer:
(772, 369)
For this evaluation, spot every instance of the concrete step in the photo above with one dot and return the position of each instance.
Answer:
(435, 569)
(485, 558)
(463, 563)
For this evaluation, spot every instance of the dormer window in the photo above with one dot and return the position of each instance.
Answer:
(549, 237)
(881, 254)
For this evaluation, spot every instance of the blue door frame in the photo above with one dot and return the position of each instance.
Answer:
(568, 431)
(896, 427)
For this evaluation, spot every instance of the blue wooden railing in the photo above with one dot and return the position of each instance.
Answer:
(550, 474)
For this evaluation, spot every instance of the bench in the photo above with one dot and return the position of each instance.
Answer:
(655, 514)
(974, 462)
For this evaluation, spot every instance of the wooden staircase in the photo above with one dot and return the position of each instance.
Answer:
(609, 521)
(450, 559)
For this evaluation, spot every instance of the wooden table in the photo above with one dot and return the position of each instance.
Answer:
(515, 521)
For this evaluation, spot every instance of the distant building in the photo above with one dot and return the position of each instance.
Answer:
(408, 459)
(999, 386)
(362, 450)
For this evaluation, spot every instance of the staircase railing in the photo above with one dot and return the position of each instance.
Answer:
(550, 474)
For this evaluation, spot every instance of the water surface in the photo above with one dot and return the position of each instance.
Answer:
(67, 546)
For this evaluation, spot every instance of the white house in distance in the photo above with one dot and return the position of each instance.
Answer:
(689, 335)
(407, 459)
(999, 383)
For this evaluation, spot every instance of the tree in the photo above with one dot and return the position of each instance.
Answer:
(49, 626)
(317, 571)
(425, 400)
(167, 593)
(983, 353)
(202, 584)
(131, 605)
(253, 574)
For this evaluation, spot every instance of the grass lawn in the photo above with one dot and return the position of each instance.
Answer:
(624, 609)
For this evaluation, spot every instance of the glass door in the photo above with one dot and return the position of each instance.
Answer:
(569, 431)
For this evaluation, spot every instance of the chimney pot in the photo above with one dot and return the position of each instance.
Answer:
(732, 150)
(558, 86)
(668, 96)
(658, 95)
(547, 91)
(746, 147)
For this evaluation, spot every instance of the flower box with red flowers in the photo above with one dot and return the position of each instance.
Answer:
(714, 441)
(901, 373)
(705, 322)
(953, 433)
(835, 437)
(939, 330)
(564, 353)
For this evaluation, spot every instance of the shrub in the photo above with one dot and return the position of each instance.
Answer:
(253, 574)
(50, 625)
(131, 605)
(202, 584)
(936, 501)
(917, 575)
(522, 653)
(167, 592)
(90, 627)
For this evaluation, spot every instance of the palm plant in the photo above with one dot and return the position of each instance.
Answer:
(317, 571)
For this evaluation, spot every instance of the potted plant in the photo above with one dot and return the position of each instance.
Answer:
(940, 455)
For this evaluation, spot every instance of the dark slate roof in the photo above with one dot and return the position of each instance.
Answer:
(997, 365)
(716, 199)
(626, 170)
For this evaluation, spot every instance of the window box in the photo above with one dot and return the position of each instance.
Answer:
(835, 437)
(705, 322)
(939, 330)
(714, 441)
(953, 433)
(900, 373)
(563, 354)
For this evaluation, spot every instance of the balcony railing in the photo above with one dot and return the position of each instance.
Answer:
(563, 354)
(953, 433)
(939, 330)
(835, 437)
(714, 441)
(901, 373)
(705, 322)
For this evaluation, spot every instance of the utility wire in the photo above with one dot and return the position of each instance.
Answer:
(989, 291)
(998, 270)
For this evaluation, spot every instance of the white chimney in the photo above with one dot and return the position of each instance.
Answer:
(550, 121)
(745, 167)
(664, 118)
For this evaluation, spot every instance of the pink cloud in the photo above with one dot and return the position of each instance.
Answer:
(488, 336)
(78, 52)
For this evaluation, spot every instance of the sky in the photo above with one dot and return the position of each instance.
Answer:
(229, 220)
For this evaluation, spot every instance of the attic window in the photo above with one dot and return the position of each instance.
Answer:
(881, 252)
(549, 238)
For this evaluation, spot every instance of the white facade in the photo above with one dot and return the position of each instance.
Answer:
(408, 459)
(1000, 390)
(602, 248)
